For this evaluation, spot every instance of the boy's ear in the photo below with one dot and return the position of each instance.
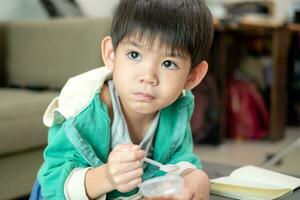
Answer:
(196, 75)
(107, 52)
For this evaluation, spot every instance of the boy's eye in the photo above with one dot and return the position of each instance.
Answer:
(134, 55)
(169, 64)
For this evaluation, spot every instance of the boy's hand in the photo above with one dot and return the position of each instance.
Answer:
(196, 186)
(124, 167)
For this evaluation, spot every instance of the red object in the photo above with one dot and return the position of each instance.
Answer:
(247, 115)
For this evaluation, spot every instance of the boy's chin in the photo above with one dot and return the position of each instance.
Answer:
(145, 109)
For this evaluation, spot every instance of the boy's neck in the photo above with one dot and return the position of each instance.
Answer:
(137, 123)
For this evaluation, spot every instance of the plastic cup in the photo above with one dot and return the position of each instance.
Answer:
(163, 187)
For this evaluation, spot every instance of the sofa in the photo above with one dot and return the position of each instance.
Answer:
(36, 59)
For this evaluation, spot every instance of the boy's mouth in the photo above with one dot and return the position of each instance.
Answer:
(143, 96)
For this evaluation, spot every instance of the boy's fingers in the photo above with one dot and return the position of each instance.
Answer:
(186, 194)
(134, 147)
(126, 147)
(125, 167)
(130, 185)
(128, 176)
(123, 156)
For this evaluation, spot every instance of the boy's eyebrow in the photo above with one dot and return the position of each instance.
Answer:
(168, 53)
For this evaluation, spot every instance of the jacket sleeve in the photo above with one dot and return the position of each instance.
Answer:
(60, 158)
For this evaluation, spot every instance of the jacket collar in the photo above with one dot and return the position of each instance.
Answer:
(173, 123)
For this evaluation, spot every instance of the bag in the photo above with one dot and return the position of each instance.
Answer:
(247, 115)
(205, 121)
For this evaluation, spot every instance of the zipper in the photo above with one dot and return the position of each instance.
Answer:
(81, 146)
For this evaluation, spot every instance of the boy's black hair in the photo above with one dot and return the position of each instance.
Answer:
(184, 25)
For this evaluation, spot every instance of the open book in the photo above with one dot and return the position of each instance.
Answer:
(254, 183)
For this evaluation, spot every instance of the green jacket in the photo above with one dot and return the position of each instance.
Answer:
(84, 141)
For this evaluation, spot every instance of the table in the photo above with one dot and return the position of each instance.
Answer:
(215, 170)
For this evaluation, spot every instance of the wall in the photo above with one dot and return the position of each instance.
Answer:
(21, 10)
(97, 8)
(33, 9)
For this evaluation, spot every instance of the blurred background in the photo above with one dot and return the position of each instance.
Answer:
(247, 109)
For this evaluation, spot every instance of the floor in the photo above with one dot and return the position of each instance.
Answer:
(239, 153)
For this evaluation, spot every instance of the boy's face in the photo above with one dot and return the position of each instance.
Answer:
(148, 78)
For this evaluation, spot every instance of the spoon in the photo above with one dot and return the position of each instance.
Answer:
(165, 168)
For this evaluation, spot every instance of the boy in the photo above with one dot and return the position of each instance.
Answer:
(107, 120)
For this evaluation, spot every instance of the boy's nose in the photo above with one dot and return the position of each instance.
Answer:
(149, 78)
(148, 73)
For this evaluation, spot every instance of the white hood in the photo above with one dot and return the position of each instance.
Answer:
(76, 95)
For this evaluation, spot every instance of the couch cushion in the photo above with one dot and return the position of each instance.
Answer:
(21, 125)
(47, 53)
